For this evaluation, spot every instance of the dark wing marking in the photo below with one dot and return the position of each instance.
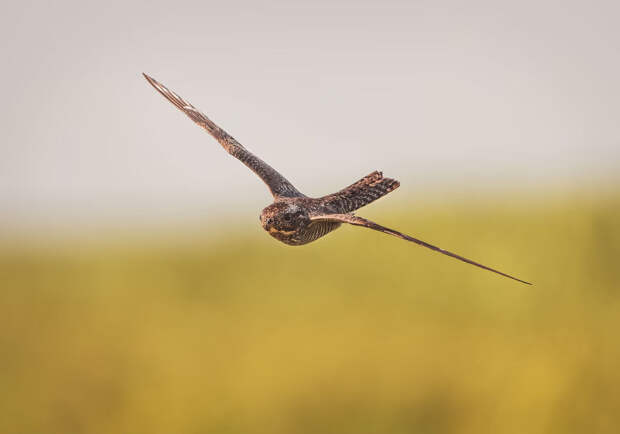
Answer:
(278, 185)
(366, 190)
(359, 221)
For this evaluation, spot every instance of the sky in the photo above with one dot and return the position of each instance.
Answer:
(467, 97)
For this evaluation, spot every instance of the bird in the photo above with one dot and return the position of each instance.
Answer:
(294, 218)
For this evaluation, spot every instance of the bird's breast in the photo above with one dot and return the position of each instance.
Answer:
(301, 236)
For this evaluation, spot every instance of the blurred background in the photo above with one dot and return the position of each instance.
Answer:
(140, 295)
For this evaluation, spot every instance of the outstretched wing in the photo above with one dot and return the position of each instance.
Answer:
(278, 185)
(359, 221)
(366, 190)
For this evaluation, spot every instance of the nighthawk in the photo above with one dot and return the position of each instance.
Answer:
(295, 218)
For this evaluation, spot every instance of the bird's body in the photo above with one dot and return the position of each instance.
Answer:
(299, 220)
(293, 218)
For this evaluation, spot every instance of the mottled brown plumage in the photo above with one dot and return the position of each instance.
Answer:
(294, 218)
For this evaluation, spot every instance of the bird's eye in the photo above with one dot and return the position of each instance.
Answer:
(287, 217)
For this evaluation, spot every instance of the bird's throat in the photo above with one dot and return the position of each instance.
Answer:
(274, 231)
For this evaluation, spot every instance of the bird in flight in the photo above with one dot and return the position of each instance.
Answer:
(294, 218)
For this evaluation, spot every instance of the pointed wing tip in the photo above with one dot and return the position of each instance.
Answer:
(156, 84)
(511, 277)
(149, 78)
(360, 221)
(514, 278)
(168, 94)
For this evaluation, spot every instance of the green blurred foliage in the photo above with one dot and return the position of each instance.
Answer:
(356, 333)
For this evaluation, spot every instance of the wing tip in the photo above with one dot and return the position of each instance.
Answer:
(150, 79)
(510, 277)
(175, 99)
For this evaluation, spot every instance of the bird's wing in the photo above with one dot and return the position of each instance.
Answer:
(359, 221)
(278, 185)
(361, 193)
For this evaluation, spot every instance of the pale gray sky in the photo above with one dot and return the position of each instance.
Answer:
(458, 95)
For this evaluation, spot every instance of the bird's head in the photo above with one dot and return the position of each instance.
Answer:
(282, 219)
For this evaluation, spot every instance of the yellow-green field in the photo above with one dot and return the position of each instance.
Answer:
(356, 333)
